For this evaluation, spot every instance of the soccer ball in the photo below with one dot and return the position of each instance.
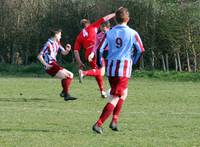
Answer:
(108, 93)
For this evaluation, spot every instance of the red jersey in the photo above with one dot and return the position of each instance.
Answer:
(87, 37)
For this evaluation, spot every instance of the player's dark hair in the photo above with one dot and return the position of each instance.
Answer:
(121, 15)
(83, 22)
(54, 31)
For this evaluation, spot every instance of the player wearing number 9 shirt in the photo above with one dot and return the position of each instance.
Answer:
(125, 48)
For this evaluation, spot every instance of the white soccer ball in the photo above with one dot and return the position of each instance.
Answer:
(108, 92)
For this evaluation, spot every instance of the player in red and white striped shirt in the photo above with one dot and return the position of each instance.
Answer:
(47, 57)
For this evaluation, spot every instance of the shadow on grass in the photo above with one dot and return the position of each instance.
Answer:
(29, 130)
(71, 98)
(19, 99)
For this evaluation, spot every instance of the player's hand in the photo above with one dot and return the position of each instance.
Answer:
(81, 65)
(91, 56)
(68, 47)
(48, 66)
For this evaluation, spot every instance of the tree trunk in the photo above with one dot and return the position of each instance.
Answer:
(195, 62)
(163, 63)
(192, 45)
(2, 59)
(167, 62)
(152, 60)
(194, 58)
(179, 62)
(176, 62)
(26, 58)
(188, 61)
(12, 52)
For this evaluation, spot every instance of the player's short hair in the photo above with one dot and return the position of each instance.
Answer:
(106, 24)
(83, 22)
(54, 31)
(121, 15)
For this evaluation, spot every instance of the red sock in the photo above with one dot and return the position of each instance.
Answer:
(92, 72)
(99, 80)
(108, 109)
(117, 110)
(66, 85)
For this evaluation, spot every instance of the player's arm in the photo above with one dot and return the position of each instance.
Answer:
(109, 16)
(77, 47)
(78, 59)
(40, 56)
(41, 59)
(66, 50)
(100, 52)
(103, 19)
(139, 49)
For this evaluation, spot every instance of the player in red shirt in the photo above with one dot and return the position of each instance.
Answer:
(87, 39)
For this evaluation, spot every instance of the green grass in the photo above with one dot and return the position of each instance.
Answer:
(156, 113)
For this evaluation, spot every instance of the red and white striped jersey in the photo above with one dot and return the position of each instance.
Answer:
(50, 50)
(119, 68)
(124, 49)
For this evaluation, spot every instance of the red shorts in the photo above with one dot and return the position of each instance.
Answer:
(118, 85)
(54, 69)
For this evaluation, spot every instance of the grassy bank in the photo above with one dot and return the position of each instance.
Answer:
(37, 70)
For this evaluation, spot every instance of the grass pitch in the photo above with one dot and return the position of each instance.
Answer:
(156, 113)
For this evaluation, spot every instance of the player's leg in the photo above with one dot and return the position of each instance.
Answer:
(94, 71)
(100, 83)
(122, 91)
(109, 107)
(99, 78)
(117, 110)
(107, 111)
(65, 76)
(97, 73)
(66, 80)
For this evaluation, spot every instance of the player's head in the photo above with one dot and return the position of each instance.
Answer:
(105, 26)
(122, 15)
(84, 23)
(56, 34)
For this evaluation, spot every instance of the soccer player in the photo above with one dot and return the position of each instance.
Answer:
(87, 39)
(125, 48)
(105, 27)
(47, 57)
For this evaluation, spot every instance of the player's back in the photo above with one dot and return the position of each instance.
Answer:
(88, 36)
(120, 42)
